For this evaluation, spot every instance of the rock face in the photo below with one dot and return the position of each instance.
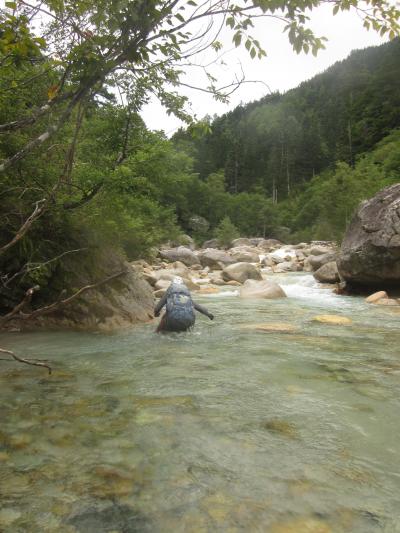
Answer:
(183, 254)
(261, 289)
(241, 272)
(370, 253)
(122, 302)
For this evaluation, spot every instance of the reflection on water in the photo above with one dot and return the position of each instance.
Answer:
(228, 428)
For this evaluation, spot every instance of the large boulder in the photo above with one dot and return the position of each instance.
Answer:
(245, 255)
(241, 272)
(212, 243)
(242, 241)
(370, 253)
(328, 273)
(181, 253)
(215, 259)
(269, 244)
(261, 289)
(317, 261)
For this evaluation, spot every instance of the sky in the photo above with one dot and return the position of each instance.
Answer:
(281, 70)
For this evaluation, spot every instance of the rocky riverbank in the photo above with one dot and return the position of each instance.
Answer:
(249, 265)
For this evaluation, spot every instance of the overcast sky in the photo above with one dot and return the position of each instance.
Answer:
(281, 70)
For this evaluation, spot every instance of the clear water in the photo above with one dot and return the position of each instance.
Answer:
(222, 429)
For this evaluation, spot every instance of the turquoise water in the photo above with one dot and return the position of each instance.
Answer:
(225, 428)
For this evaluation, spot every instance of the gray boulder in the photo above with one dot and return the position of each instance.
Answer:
(370, 253)
(269, 244)
(317, 261)
(181, 253)
(215, 259)
(212, 243)
(241, 272)
(285, 266)
(261, 289)
(328, 273)
(245, 255)
(242, 241)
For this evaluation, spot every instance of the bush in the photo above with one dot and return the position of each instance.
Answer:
(225, 232)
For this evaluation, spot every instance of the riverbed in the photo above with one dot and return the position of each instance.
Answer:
(288, 429)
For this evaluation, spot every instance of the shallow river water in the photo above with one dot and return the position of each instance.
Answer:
(223, 429)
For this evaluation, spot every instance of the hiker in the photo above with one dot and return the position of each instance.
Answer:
(179, 308)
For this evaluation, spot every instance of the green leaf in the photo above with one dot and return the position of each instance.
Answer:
(11, 5)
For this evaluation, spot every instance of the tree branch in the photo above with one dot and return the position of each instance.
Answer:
(33, 362)
(62, 302)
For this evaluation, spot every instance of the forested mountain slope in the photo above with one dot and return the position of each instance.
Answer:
(282, 141)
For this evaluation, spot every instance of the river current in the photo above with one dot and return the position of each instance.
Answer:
(290, 429)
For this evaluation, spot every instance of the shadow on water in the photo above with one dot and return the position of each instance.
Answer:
(289, 428)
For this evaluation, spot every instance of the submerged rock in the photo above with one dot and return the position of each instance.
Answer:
(334, 320)
(115, 517)
(274, 327)
(301, 525)
(282, 427)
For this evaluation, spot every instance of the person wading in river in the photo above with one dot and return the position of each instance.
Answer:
(179, 308)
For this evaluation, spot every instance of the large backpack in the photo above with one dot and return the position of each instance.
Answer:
(180, 308)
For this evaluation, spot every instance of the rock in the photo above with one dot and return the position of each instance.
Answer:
(212, 243)
(301, 525)
(268, 244)
(182, 253)
(115, 517)
(208, 290)
(370, 252)
(8, 516)
(285, 266)
(243, 256)
(150, 278)
(162, 284)
(180, 269)
(274, 327)
(387, 301)
(241, 272)
(268, 261)
(320, 250)
(159, 293)
(256, 240)
(233, 283)
(242, 241)
(335, 320)
(317, 261)
(373, 298)
(328, 273)
(215, 259)
(261, 289)
(126, 300)
(281, 427)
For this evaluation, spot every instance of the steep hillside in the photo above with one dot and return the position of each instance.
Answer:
(282, 141)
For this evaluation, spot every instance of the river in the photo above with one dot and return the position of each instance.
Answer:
(289, 430)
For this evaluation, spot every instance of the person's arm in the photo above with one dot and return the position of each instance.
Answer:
(203, 310)
(160, 305)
